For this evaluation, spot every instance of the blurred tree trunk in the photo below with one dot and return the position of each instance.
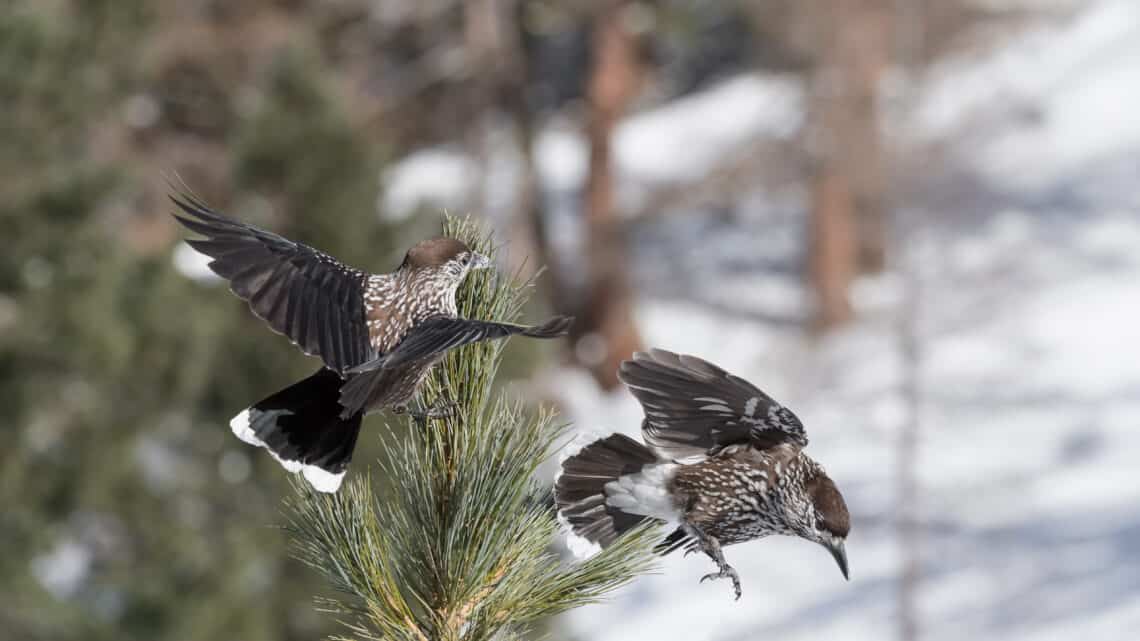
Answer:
(605, 332)
(908, 223)
(491, 66)
(527, 233)
(601, 297)
(848, 227)
(499, 48)
(833, 252)
(907, 453)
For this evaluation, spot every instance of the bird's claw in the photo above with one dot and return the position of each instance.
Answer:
(726, 572)
(710, 546)
(441, 410)
(444, 409)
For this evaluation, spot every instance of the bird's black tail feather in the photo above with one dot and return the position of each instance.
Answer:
(677, 539)
(579, 492)
(303, 428)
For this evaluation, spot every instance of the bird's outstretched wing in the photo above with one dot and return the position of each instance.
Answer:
(300, 292)
(439, 334)
(693, 407)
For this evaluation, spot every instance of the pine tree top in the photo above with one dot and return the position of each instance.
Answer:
(458, 544)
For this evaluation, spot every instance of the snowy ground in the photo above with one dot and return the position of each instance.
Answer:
(1029, 377)
(1030, 432)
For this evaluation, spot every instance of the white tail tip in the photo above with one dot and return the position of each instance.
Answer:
(239, 425)
(321, 480)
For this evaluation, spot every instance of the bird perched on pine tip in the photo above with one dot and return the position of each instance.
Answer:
(721, 460)
(378, 335)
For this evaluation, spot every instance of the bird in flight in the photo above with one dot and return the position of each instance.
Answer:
(721, 460)
(377, 335)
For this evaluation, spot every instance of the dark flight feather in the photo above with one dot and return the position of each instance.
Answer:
(308, 296)
(693, 407)
(677, 539)
(439, 334)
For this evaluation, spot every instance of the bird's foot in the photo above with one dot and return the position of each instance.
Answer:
(444, 408)
(726, 572)
(711, 546)
(441, 410)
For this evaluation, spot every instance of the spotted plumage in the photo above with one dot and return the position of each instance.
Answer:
(723, 461)
(377, 335)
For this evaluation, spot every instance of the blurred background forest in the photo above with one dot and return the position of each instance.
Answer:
(915, 222)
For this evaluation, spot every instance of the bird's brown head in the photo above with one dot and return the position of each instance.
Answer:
(830, 519)
(447, 257)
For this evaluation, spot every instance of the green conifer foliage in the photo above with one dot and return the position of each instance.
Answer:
(457, 544)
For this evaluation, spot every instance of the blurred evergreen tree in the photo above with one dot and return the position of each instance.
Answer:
(130, 511)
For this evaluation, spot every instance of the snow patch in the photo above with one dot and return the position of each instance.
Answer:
(439, 178)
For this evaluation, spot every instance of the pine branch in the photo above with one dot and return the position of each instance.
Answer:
(458, 545)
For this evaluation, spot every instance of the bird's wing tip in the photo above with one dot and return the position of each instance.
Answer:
(562, 324)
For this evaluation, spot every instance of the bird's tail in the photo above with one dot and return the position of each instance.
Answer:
(303, 429)
(591, 510)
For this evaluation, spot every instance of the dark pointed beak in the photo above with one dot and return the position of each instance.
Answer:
(839, 553)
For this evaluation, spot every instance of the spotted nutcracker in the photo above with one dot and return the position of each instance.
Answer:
(378, 335)
(722, 461)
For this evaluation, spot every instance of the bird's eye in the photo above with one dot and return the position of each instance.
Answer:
(466, 260)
